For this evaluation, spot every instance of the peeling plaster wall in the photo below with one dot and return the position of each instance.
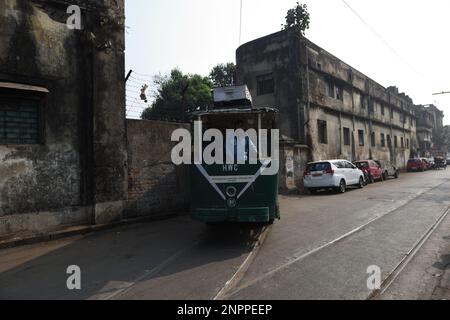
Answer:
(41, 177)
(82, 160)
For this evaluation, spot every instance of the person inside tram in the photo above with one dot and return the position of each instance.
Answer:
(245, 143)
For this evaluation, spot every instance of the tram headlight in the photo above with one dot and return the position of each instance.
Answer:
(231, 203)
(231, 191)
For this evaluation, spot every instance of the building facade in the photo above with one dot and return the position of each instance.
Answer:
(430, 130)
(328, 109)
(447, 138)
(63, 153)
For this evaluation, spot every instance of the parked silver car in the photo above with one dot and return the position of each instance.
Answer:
(389, 170)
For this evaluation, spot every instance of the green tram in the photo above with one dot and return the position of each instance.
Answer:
(238, 192)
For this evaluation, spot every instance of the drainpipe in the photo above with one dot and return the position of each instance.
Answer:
(308, 99)
(369, 141)
(353, 124)
(341, 147)
(391, 148)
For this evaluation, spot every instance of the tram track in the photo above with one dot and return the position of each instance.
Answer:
(394, 274)
(269, 274)
(117, 294)
(239, 274)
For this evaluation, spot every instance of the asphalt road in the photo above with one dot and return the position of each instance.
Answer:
(321, 249)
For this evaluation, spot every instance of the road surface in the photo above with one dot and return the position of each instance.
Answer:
(321, 249)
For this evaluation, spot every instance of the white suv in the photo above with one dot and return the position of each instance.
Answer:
(335, 174)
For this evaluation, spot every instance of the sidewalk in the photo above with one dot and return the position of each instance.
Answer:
(27, 238)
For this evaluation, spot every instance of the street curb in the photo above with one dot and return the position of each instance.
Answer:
(79, 230)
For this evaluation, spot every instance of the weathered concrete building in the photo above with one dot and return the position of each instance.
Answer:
(430, 126)
(68, 156)
(447, 137)
(63, 152)
(327, 108)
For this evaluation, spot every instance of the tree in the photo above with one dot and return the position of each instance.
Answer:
(177, 95)
(441, 138)
(297, 19)
(223, 75)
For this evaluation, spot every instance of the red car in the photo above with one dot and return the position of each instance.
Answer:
(416, 165)
(427, 163)
(371, 169)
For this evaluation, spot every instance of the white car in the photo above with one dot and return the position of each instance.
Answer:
(332, 174)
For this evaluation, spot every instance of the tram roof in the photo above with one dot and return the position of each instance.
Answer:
(234, 111)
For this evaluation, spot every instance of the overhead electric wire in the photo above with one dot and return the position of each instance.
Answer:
(240, 24)
(382, 40)
(143, 75)
(133, 86)
(140, 79)
(441, 93)
(135, 106)
(134, 91)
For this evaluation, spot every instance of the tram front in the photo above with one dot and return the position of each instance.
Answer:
(235, 178)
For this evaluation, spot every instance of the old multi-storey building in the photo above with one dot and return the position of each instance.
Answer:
(327, 108)
(63, 151)
(447, 138)
(430, 130)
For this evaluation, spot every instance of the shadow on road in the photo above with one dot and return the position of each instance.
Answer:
(113, 258)
(444, 264)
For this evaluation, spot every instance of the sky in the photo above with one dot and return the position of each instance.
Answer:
(195, 35)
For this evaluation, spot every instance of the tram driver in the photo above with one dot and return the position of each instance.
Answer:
(246, 145)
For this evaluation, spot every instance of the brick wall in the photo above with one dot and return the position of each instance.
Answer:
(156, 187)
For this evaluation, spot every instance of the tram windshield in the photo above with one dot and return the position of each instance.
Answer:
(236, 146)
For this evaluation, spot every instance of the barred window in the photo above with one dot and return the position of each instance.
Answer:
(383, 140)
(373, 140)
(20, 120)
(363, 102)
(265, 84)
(323, 132)
(329, 89)
(361, 138)
(346, 136)
(339, 93)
